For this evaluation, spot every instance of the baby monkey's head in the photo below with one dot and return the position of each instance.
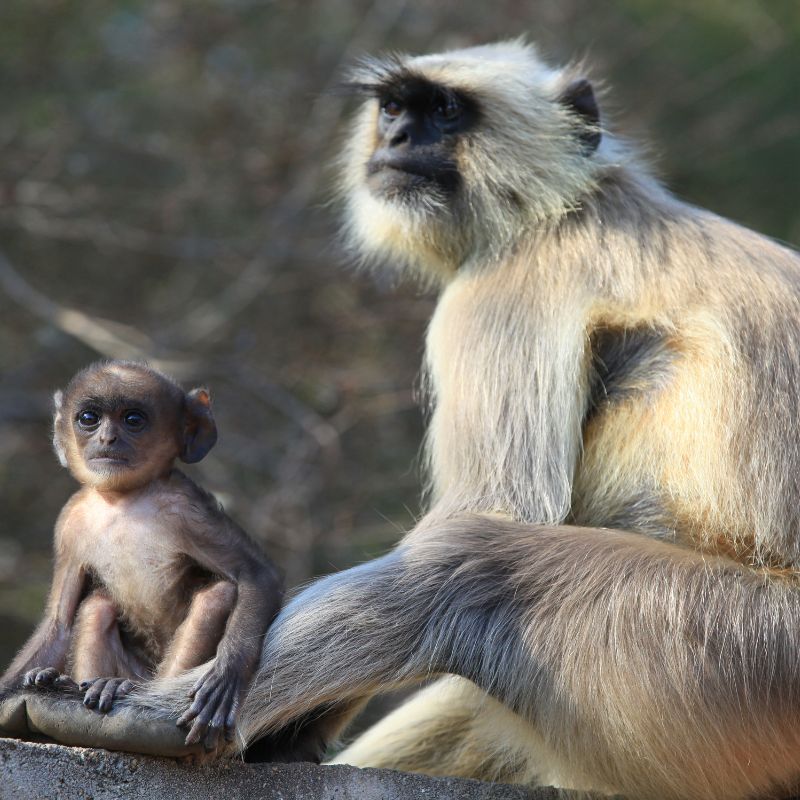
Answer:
(120, 425)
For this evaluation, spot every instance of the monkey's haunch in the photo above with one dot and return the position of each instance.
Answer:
(64, 719)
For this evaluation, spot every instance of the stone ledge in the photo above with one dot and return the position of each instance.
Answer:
(32, 771)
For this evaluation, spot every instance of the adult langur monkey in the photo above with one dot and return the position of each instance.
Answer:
(610, 560)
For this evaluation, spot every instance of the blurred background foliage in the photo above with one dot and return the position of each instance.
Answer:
(165, 194)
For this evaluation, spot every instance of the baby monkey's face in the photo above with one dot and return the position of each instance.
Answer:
(117, 435)
(120, 429)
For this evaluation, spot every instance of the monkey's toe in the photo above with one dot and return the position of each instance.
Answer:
(41, 676)
(101, 692)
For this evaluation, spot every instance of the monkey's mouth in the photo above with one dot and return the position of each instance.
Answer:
(393, 174)
(106, 460)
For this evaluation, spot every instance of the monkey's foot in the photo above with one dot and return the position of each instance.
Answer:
(47, 678)
(61, 717)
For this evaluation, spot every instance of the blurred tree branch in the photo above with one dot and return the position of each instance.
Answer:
(109, 339)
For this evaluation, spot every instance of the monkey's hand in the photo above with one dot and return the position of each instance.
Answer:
(47, 678)
(216, 697)
(102, 692)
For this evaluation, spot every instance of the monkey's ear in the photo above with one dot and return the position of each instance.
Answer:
(579, 98)
(58, 445)
(199, 428)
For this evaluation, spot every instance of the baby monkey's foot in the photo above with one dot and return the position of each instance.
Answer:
(47, 678)
(102, 692)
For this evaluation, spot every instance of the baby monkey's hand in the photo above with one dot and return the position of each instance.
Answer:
(216, 698)
(102, 692)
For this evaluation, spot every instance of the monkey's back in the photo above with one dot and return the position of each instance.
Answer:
(695, 373)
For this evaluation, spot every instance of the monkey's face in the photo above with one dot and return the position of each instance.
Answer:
(454, 157)
(121, 429)
(118, 426)
(418, 126)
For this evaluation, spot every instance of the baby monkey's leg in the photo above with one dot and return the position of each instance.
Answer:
(99, 660)
(214, 698)
(196, 639)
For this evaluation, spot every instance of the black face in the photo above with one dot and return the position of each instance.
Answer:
(109, 433)
(418, 126)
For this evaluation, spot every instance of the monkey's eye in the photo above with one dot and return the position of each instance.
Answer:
(448, 109)
(134, 420)
(88, 419)
(391, 108)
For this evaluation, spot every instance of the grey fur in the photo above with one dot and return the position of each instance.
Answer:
(598, 659)
(627, 361)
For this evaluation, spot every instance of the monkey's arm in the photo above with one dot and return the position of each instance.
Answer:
(609, 643)
(217, 694)
(48, 646)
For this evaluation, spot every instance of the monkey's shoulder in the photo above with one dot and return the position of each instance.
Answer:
(180, 492)
(202, 511)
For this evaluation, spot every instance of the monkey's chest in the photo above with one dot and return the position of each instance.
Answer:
(138, 562)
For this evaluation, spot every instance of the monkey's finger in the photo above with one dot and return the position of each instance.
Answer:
(29, 679)
(83, 685)
(194, 709)
(193, 712)
(210, 705)
(202, 717)
(196, 732)
(223, 707)
(108, 694)
(201, 684)
(208, 681)
(226, 709)
(211, 738)
(126, 687)
(93, 693)
(202, 699)
(230, 720)
(185, 718)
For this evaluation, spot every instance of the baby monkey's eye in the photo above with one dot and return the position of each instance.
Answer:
(391, 108)
(134, 420)
(88, 419)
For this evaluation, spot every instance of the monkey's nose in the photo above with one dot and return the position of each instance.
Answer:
(107, 435)
(399, 138)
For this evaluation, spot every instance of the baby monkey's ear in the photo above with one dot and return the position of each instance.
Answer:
(199, 428)
(58, 444)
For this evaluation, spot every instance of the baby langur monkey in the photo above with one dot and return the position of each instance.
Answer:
(151, 577)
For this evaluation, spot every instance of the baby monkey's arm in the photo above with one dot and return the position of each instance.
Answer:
(42, 659)
(232, 613)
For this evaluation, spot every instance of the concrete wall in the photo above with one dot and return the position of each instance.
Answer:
(31, 771)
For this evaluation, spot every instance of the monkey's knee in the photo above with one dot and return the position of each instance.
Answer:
(198, 635)
(96, 644)
(97, 615)
(215, 601)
